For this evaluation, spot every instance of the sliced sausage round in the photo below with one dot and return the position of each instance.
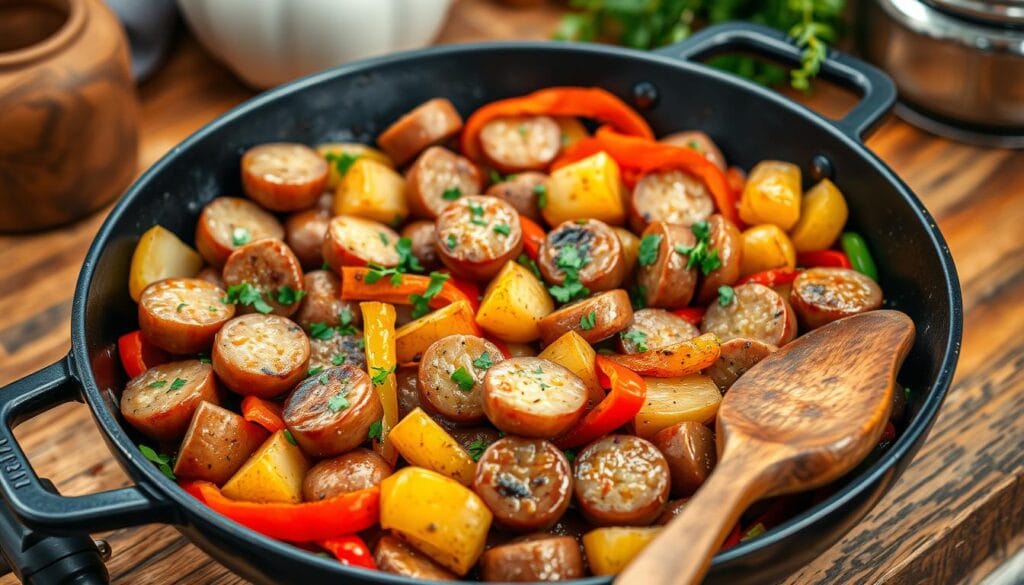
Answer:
(532, 560)
(283, 176)
(356, 470)
(438, 177)
(665, 280)
(330, 348)
(738, 355)
(521, 143)
(322, 303)
(451, 375)
(655, 329)
(755, 312)
(822, 295)
(422, 236)
(354, 241)
(726, 242)
(331, 413)
(161, 401)
(601, 265)
(672, 197)
(595, 318)
(621, 480)
(216, 444)
(271, 269)
(408, 390)
(522, 191)
(533, 397)
(475, 439)
(305, 232)
(477, 235)
(396, 557)
(429, 123)
(212, 276)
(526, 483)
(182, 315)
(229, 222)
(700, 142)
(260, 355)
(689, 449)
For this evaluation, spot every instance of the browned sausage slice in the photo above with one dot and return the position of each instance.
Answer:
(521, 143)
(822, 295)
(322, 303)
(396, 557)
(700, 142)
(665, 280)
(356, 470)
(689, 449)
(543, 558)
(327, 349)
(161, 401)
(621, 480)
(422, 235)
(526, 483)
(271, 269)
(475, 440)
(756, 312)
(354, 241)
(408, 390)
(305, 232)
(229, 222)
(212, 276)
(725, 240)
(429, 123)
(595, 318)
(477, 235)
(522, 191)
(655, 329)
(672, 197)
(438, 177)
(738, 355)
(331, 413)
(451, 375)
(181, 315)
(216, 444)
(283, 176)
(260, 355)
(599, 247)
(533, 397)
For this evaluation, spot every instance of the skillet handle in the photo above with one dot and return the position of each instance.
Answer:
(40, 508)
(877, 91)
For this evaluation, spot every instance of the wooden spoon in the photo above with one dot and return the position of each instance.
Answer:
(803, 417)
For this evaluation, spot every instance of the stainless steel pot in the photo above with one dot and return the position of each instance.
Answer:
(958, 64)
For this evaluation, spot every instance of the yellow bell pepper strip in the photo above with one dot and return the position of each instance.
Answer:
(303, 522)
(424, 443)
(681, 359)
(379, 338)
(624, 400)
(413, 338)
(860, 257)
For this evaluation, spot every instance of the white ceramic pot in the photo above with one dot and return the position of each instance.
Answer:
(268, 42)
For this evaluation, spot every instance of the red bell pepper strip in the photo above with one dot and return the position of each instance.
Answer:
(350, 550)
(773, 277)
(734, 538)
(265, 413)
(355, 288)
(467, 287)
(305, 522)
(585, 102)
(691, 315)
(501, 345)
(830, 258)
(533, 237)
(737, 180)
(888, 435)
(138, 355)
(639, 156)
(626, 396)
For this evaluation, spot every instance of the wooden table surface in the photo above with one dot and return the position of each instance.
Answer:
(957, 512)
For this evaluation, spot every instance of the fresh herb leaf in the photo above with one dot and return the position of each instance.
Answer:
(503, 229)
(570, 455)
(541, 191)
(407, 261)
(342, 162)
(158, 384)
(377, 272)
(726, 294)
(476, 212)
(570, 260)
(701, 230)
(484, 362)
(755, 531)
(383, 238)
(376, 428)
(476, 448)
(246, 294)
(205, 359)
(588, 321)
(163, 462)
(495, 176)
(528, 262)
(464, 379)
(345, 318)
(694, 145)
(637, 338)
(338, 359)
(648, 251)
(638, 296)
(380, 375)
(325, 266)
(287, 295)
(323, 379)
(240, 236)
(339, 401)
(177, 384)
(314, 371)
(451, 242)
(421, 302)
(289, 437)
(451, 194)
(701, 254)
(180, 307)
(321, 331)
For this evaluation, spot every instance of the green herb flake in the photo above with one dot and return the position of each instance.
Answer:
(495, 176)
(325, 266)
(451, 242)
(180, 307)
(383, 238)
(205, 359)
(177, 384)
(570, 455)
(321, 331)
(541, 191)
(528, 262)
(158, 384)
(289, 437)
(464, 379)
(246, 294)
(338, 359)
(637, 338)
(638, 296)
(314, 371)
(240, 236)
(503, 229)
(755, 531)
(648, 252)
(287, 295)
(451, 194)
(342, 162)
(345, 318)
(701, 254)
(421, 302)
(523, 130)
(376, 428)
(588, 321)
(380, 375)
(162, 462)
(726, 294)
(476, 448)
(484, 362)
(377, 272)
(339, 401)
(570, 260)
(407, 261)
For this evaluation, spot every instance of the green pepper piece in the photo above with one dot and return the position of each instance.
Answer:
(860, 257)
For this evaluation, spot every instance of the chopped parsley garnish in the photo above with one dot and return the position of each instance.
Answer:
(588, 321)
(503, 229)
(240, 236)
(246, 294)
(345, 318)
(380, 375)
(541, 191)
(383, 238)
(638, 296)
(637, 338)
(339, 401)
(376, 428)
(476, 448)
(323, 379)
(524, 130)
(451, 194)
(378, 272)
(314, 371)
(726, 294)
(451, 242)
(180, 307)
(528, 262)
(407, 261)
(477, 212)
(343, 162)
(177, 384)
(701, 254)
(570, 260)
(484, 362)
(421, 302)
(464, 379)
(338, 359)
(321, 331)
(570, 454)
(287, 295)
(211, 309)
(755, 531)
(325, 266)
(496, 177)
(289, 437)
(648, 252)
(205, 359)
(693, 144)
(163, 462)
(158, 384)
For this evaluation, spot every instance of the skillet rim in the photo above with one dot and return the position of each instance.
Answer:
(147, 474)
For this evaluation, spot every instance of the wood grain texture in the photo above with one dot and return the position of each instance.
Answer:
(956, 507)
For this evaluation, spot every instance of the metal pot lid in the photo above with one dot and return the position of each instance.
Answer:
(996, 12)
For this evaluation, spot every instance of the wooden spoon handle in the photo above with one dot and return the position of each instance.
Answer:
(682, 553)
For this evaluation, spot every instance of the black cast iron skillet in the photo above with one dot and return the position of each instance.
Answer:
(357, 101)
